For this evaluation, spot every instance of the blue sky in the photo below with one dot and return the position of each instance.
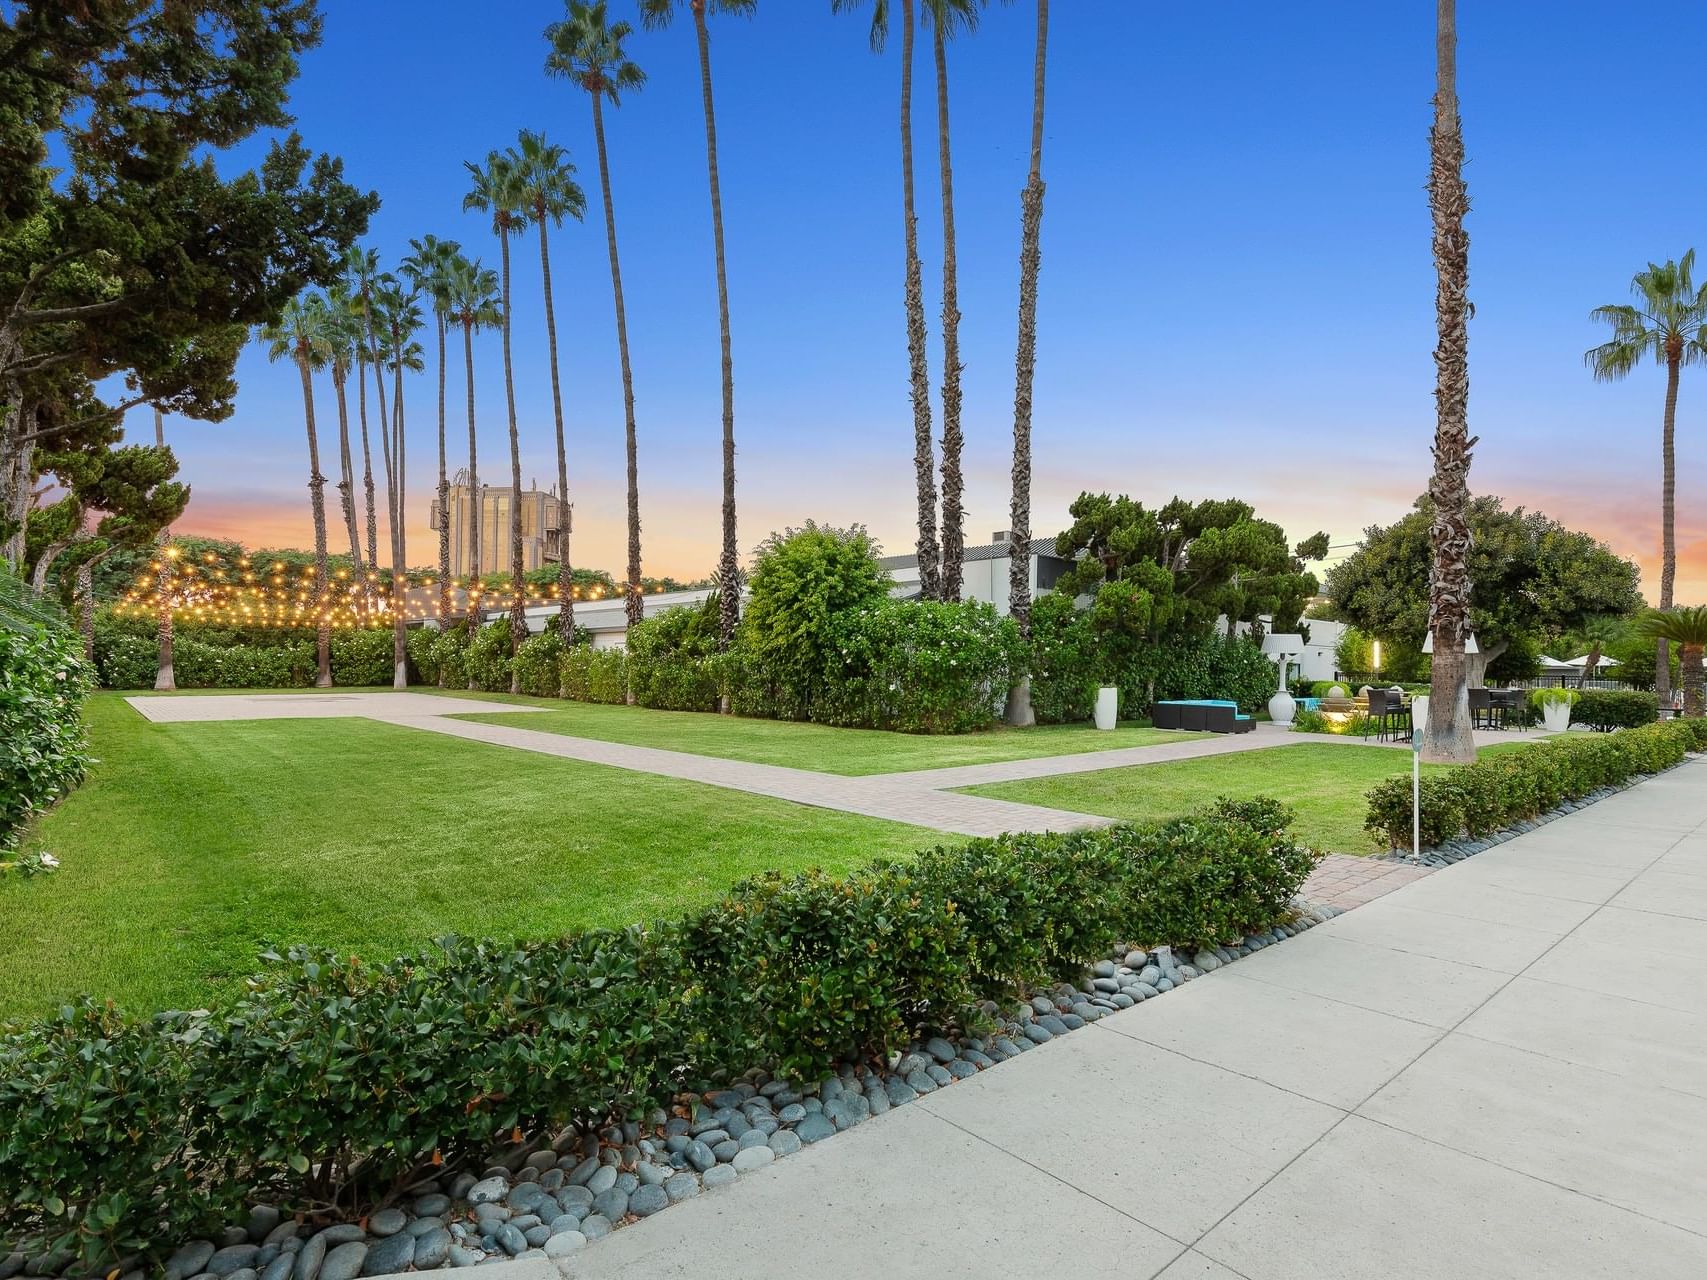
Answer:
(1237, 294)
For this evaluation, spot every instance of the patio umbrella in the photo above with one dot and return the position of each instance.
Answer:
(1553, 664)
(1581, 661)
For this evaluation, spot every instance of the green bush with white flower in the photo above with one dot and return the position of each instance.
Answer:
(44, 751)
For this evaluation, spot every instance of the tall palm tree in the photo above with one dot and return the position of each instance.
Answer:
(1687, 629)
(586, 49)
(924, 454)
(949, 18)
(301, 335)
(658, 13)
(429, 267)
(497, 191)
(163, 677)
(1447, 738)
(1669, 323)
(343, 342)
(399, 318)
(472, 302)
(1025, 370)
(361, 267)
(546, 179)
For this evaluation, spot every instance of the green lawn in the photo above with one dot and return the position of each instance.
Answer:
(1325, 784)
(813, 746)
(192, 845)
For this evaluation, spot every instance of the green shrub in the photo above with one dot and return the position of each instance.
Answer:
(1606, 709)
(1499, 790)
(802, 580)
(918, 667)
(1211, 667)
(1353, 724)
(44, 751)
(487, 658)
(363, 657)
(539, 664)
(127, 661)
(330, 1082)
(198, 664)
(595, 675)
(668, 654)
(1063, 667)
(421, 646)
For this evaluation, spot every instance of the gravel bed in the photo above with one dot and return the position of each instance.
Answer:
(553, 1201)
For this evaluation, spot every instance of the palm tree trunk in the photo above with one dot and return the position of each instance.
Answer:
(924, 459)
(317, 501)
(635, 608)
(1447, 739)
(953, 484)
(473, 579)
(346, 485)
(1668, 529)
(565, 573)
(163, 677)
(86, 606)
(399, 553)
(367, 466)
(1025, 370)
(728, 561)
(1690, 669)
(518, 606)
(444, 495)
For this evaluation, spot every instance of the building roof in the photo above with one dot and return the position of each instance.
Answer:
(1043, 547)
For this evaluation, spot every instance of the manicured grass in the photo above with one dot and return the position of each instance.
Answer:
(814, 746)
(1324, 784)
(192, 845)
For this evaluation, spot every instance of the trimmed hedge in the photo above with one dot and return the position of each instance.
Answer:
(539, 664)
(1498, 790)
(1607, 709)
(44, 750)
(595, 675)
(119, 1134)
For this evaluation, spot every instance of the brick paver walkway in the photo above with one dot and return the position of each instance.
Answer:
(1344, 880)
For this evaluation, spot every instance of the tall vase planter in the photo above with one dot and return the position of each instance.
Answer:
(1107, 707)
(1281, 708)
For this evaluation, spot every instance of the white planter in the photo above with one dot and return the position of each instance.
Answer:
(1108, 707)
(1281, 707)
(1556, 716)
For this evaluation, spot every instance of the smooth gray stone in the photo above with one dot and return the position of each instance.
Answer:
(941, 1049)
(565, 1243)
(387, 1222)
(583, 1171)
(490, 1215)
(537, 1234)
(432, 1249)
(421, 1226)
(189, 1260)
(920, 1082)
(700, 1156)
(344, 1262)
(602, 1180)
(737, 1125)
(524, 1195)
(611, 1204)
(461, 1256)
(1053, 1025)
(752, 1158)
(752, 1138)
(573, 1198)
(510, 1239)
(815, 1128)
(1036, 1034)
(1040, 1005)
(651, 1175)
(232, 1258)
(649, 1199)
(683, 1186)
(899, 1091)
(785, 1142)
(961, 1069)
(793, 1113)
(596, 1227)
(1149, 974)
(244, 1273)
(280, 1267)
(939, 1074)
(721, 1176)
(725, 1150)
(396, 1252)
(488, 1191)
(877, 1102)
(310, 1257)
(431, 1205)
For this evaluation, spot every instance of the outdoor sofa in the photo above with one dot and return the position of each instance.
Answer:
(1211, 715)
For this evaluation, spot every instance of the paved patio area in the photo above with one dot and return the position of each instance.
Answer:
(1499, 1070)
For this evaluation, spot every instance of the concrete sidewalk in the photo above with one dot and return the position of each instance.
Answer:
(1497, 1071)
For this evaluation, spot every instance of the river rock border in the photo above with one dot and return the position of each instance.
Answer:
(552, 1202)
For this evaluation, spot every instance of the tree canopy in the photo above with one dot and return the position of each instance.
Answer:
(132, 256)
(1531, 577)
(1180, 567)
